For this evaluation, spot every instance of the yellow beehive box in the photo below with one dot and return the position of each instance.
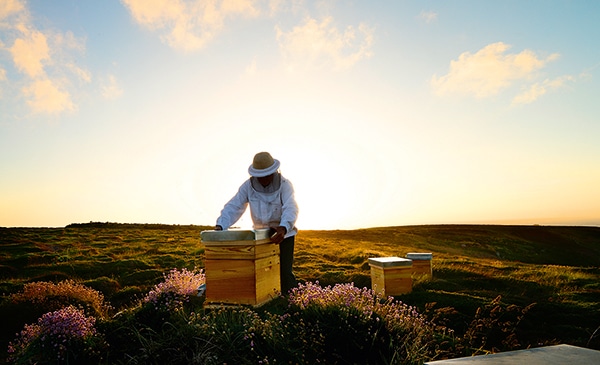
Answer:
(391, 275)
(241, 267)
(421, 263)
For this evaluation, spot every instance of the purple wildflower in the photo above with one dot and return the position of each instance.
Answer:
(54, 331)
(176, 289)
(366, 301)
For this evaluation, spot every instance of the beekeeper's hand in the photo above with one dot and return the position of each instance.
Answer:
(218, 228)
(279, 234)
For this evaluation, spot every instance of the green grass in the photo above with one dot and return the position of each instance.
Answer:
(554, 269)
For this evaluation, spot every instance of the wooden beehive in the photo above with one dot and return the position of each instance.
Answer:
(241, 267)
(421, 263)
(391, 275)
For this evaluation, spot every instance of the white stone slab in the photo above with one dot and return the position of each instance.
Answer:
(550, 355)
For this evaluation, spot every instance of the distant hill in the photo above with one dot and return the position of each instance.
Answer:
(114, 225)
(551, 245)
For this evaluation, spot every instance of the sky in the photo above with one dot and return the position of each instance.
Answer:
(382, 113)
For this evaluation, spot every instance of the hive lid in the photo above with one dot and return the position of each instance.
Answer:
(419, 255)
(392, 261)
(235, 235)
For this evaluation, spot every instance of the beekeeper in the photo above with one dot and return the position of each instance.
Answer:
(272, 205)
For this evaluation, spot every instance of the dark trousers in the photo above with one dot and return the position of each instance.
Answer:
(286, 260)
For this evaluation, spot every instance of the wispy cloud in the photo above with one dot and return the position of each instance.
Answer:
(191, 25)
(323, 45)
(188, 25)
(45, 96)
(490, 71)
(43, 59)
(428, 16)
(10, 7)
(82, 74)
(533, 92)
(111, 88)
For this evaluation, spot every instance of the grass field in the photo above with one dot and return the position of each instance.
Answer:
(557, 268)
(551, 274)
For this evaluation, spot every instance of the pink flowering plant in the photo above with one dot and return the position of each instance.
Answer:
(178, 287)
(365, 302)
(63, 336)
(336, 315)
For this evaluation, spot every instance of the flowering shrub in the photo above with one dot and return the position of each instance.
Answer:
(366, 301)
(339, 324)
(331, 313)
(52, 296)
(175, 290)
(60, 336)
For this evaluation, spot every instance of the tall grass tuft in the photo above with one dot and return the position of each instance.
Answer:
(494, 328)
(48, 296)
(237, 335)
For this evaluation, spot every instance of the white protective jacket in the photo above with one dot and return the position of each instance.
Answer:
(268, 210)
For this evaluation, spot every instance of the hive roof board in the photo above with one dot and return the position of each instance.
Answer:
(419, 255)
(391, 261)
(235, 235)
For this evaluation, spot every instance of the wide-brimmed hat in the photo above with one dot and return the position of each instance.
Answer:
(263, 165)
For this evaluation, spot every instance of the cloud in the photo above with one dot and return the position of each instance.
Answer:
(428, 16)
(323, 45)
(30, 52)
(68, 40)
(489, 71)
(111, 88)
(46, 97)
(533, 92)
(44, 58)
(190, 25)
(275, 6)
(187, 25)
(82, 74)
(10, 7)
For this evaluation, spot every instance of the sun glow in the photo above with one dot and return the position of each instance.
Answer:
(155, 118)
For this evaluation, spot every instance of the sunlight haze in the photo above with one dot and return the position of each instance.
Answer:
(382, 113)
